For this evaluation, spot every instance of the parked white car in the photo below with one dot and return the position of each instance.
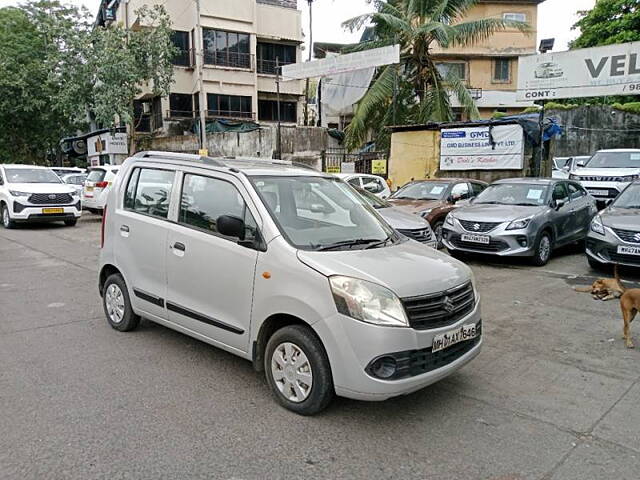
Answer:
(246, 255)
(36, 194)
(97, 186)
(563, 166)
(76, 180)
(608, 172)
(371, 183)
(61, 171)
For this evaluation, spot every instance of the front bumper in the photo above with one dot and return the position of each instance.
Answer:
(504, 243)
(352, 345)
(604, 249)
(603, 191)
(23, 212)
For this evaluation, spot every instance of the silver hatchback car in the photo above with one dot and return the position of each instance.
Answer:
(522, 217)
(289, 268)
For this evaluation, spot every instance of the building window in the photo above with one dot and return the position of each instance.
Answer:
(181, 42)
(459, 69)
(515, 17)
(180, 105)
(502, 70)
(268, 53)
(226, 49)
(229, 106)
(268, 111)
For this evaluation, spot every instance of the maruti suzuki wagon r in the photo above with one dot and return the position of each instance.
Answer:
(289, 268)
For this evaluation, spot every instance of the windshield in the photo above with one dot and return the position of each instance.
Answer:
(31, 175)
(422, 191)
(629, 198)
(513, 194)
(373, 200)
(615, 160)
(320, 213)
(562, 162)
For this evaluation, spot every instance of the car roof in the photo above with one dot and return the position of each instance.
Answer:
(21, 165)
(527, 180)
(620, 150)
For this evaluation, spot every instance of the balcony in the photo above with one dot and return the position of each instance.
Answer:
(269, 67)
(244, 61)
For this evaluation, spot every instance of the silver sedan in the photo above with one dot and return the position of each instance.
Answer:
(523, 217)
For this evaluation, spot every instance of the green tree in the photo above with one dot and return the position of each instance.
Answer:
(416, 91)
(609, 22)
(129, 62)
(43, 77)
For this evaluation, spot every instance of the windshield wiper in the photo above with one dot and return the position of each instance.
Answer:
(526, 204)
(381, 243)
(487, 203)
(348, 243)
(402, 198)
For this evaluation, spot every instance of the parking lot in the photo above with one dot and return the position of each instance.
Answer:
(554, 394)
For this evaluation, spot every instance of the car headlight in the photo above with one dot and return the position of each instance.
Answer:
(573, 177)
(630, 178)
(449, 220)
(426, 212)
(520, 224)
(367, 302)
(19, 194)
(597, 226)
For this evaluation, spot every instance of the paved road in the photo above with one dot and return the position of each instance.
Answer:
(553, 396)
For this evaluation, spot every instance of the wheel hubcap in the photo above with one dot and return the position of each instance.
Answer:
(114, 300)
(5, 217)
(291, 372)
(545, 248)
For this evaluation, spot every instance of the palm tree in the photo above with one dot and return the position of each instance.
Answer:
(415, 91)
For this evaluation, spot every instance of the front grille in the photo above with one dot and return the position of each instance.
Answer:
(478, 227)
(603, 179)
(628, 235)
(50, 198)
(616, 257)
(417, 362)
(440, 309)
(493, 246)
(423, 235)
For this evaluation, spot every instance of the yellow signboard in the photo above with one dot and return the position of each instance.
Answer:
(379, 167)
(333, 169)
(203, 152)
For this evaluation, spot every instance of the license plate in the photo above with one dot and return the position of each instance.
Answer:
(598, 193)
(484, 239)
(462, 334)
(52, 210)
(88, 189)
(624, 250)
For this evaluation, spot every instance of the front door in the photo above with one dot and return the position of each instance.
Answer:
(562, 218)
(210, 277)
(581, 207)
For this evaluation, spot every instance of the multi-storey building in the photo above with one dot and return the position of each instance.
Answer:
(234, 45)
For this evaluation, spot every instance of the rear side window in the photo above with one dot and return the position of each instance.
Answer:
(149, 192)
(372, 184)
(96, 175)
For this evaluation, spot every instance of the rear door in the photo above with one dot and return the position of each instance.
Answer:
(141, 227)
(210, 276)
(581, 207)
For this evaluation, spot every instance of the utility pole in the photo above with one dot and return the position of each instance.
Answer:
(279, 155)
(202, 96)
(306, 88)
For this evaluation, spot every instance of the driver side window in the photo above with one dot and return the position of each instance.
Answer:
(560, 192)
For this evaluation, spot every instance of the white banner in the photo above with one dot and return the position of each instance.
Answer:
(588, 72)
(375, 57)
(482, 148)
(105, 144)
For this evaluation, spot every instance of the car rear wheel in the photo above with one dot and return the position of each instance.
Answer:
(6, 218)
(298, 371)
(543, 250)
(117, 306)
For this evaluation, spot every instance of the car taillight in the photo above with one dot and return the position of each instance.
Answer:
(102, 184)
(104, 219)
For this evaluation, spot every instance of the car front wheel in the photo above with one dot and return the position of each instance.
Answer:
(298, 371)
(6, 218)
(543, 250)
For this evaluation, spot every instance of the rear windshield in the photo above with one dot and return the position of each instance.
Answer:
(422, 191)
(31, 175)
(96, 175)
(615, 160)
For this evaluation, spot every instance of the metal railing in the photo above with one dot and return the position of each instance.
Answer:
(268, 67)
(229, 59)
(231, 114)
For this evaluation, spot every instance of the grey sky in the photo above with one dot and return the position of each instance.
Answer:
(556, 17)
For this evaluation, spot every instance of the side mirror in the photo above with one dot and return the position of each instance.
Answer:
(558, 204)
(580, 163)
(231, 226)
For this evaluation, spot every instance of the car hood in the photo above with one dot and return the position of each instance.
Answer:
(606, 172)
(408, 269)
(622, 218)
(401, 219)
(415, 206)
(496, 213)
(40, 187)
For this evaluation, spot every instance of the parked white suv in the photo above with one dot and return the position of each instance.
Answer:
(287, 267)
(36, 194)
(371, 183)
(97, 186)
(608, 172)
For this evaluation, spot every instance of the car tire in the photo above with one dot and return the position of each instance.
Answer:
(117, 305)
(543, 249)
(71, 223)
(437, 227)
(6, 217)
(298, 345)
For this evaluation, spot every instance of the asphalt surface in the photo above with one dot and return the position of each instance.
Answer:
(554, 395)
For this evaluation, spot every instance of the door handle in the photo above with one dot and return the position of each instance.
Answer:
(179, 246)
(124, 231)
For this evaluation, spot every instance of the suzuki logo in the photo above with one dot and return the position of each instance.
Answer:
(448, 305)
(636, 237)
(476, 226)
(52, 197)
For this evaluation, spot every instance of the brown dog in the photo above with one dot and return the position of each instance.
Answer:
(605, 288)
(630, 304)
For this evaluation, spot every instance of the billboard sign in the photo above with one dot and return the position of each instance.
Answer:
(482, 148)
(375, 57)
(106, 144)
(588, 72)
